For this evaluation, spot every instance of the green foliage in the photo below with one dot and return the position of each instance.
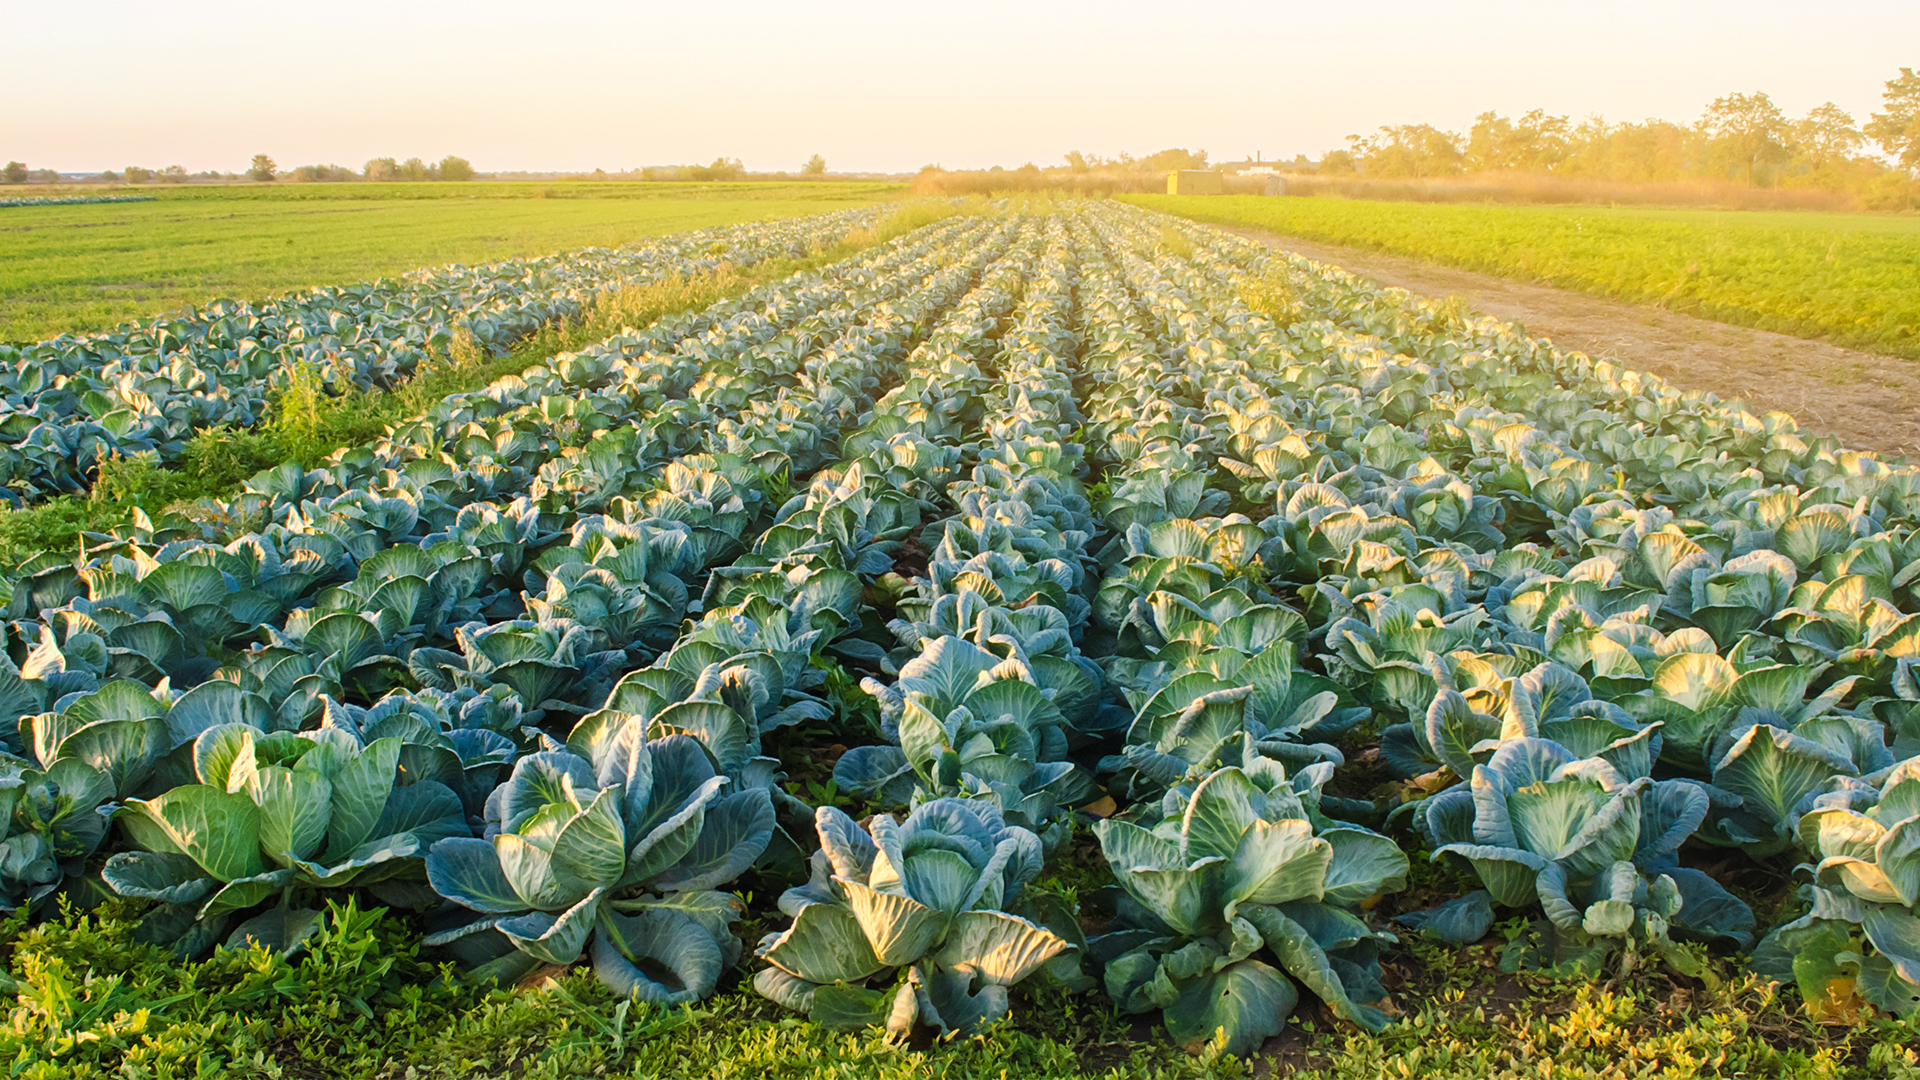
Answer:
(1759, 272)
(95, 1001)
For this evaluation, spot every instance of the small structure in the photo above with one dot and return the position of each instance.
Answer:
(1276, 185)
(1193, 182)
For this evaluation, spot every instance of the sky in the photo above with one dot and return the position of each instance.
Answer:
(879, 86)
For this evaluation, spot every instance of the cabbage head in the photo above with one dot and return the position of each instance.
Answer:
(919, 906)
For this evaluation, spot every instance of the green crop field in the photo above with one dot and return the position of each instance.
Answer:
(1853, 279)
(73, 268)
(961, 639)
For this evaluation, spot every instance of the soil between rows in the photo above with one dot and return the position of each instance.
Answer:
(1869, 401)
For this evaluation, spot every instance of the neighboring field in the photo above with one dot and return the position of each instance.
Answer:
(74, 268)
(1845, 278)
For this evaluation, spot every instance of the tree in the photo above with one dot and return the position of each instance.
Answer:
(137, 175)
(1747, 130)
(381, 168)
(815, 166)
(1827, 136)
(262, 168)
(1898, 129)
(1175, 159)
(455, 168)
(1077, 161)
(1416, 150)
(1487, 142)
(173, 174)
(721, 169)
(1336, 163)
(15, 172)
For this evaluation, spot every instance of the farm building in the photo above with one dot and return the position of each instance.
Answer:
(1193, 182)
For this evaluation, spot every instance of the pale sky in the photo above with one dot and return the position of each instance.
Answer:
(580, 84)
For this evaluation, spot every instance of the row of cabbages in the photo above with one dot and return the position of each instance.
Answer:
(522, 663)
(69, 401)
(69, 200)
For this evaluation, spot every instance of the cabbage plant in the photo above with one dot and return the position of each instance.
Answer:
(1593, 848)
(278, 817)
(919, 906)
(970, 723)
(616, 852)
(1233, 894)
(1861, 936)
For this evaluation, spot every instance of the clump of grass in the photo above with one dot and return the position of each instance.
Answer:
(1175, 244)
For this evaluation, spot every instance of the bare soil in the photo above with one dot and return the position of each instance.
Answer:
(1870, 402)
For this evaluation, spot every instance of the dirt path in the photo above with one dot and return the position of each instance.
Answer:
(1871, 402)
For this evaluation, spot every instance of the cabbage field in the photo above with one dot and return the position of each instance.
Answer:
(1058, 602)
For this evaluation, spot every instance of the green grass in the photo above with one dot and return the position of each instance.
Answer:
(1844, 278)
(75, 268)
(93, 1001)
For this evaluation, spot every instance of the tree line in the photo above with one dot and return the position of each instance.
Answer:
(1742, 137)
(261, 170)
(379, 170)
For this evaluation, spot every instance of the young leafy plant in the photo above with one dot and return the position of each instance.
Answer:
(1216, 873)
(282, 815)
(928, 895)
(624, 846)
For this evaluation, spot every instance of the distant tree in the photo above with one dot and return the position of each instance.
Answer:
(172, 174)
(1827, 135)
(1898, 129)
(322, 174)
(1077, 161)
(411, 169)
(262, 168)
(1416, 150)
(15, 172)
(1171, 160)
(455, 168)
(137, 175)
(1336, 163)
(815, 166)
(721, 169)
(381, 168)
(1539, 141)
(1747, 130)
(1488, 141)
(46, 176)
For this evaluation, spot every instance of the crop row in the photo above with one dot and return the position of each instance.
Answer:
(1273, 598)
(69, 200)
(148, 387)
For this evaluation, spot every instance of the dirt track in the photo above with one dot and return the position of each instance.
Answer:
(1871, 402)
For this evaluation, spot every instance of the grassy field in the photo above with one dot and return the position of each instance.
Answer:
(1845, 278)
(76, 268)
